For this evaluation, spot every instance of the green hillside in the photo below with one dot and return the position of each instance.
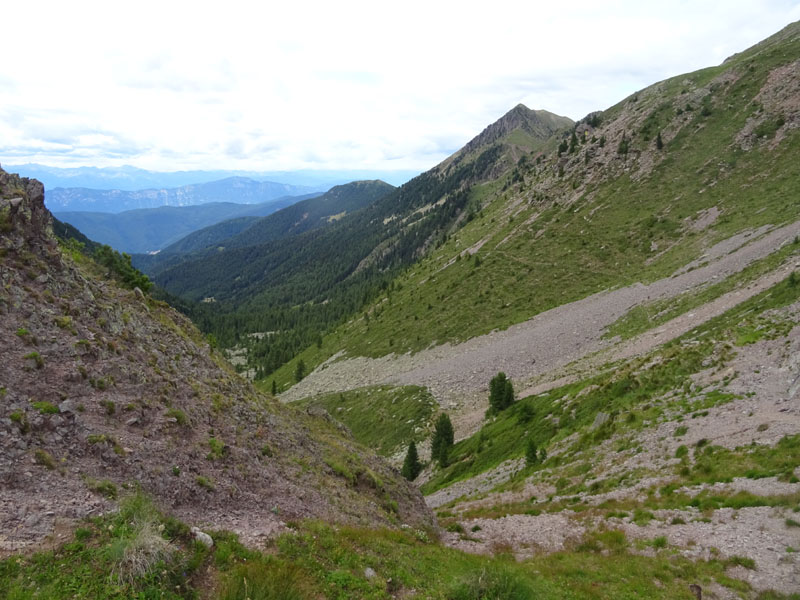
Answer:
(611, 207)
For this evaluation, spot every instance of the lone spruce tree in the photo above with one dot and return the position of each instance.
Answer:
(531, 456)
(443, 439)
(411, 465)
(300, 370)
(501, 393)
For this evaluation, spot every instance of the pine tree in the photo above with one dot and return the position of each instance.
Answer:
(274, 388)
(531, 457)
(443, 438)
(300, 370)
(411, 465)
(573, 142)
(659, 142)
(501, 393)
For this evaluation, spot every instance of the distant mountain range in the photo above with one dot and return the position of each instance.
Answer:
(129, 178)
(239, 190)
(151, 229)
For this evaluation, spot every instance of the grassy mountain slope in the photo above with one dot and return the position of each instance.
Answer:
(105, 390)
(611, 209)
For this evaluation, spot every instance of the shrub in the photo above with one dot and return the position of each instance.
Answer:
(21, 420)
(135, 557)
(680, 431)
(216, 449)
(119, 266)
(36, 357)
(178, 415)
(45, 408)
(204, 482)
(104, 487)
(44, 458)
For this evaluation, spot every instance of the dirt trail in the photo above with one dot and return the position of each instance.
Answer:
(458, 375)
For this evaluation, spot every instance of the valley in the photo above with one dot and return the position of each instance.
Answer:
(584, 337)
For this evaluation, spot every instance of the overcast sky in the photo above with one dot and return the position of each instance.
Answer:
(336, 85)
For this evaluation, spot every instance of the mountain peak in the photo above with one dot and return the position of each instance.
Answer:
(535, 127)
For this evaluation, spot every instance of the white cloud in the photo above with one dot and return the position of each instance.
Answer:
(349, 85)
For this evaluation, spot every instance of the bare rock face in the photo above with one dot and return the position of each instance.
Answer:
(103, 390)
(24, 220)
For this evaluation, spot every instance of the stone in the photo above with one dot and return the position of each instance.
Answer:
(202, 537)
(370, 573)
(600, 420)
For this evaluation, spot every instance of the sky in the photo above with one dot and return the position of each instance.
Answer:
(174, 85)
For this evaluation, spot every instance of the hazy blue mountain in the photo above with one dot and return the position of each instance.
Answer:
(151, 229)
(239, 190)
(129, 178)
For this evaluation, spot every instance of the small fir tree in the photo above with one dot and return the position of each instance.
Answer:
(300, 370)
(501, 393)
(573, 142)
(274, 388)
(659, 142)
(443, 438)
(411, 465)
(531, 456)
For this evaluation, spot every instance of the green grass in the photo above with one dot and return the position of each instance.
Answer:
(142, 553)
(384, 418)
(45, 408)
(216, 449)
